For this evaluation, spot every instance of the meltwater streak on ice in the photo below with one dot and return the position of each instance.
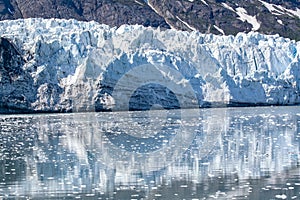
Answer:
(73, 66)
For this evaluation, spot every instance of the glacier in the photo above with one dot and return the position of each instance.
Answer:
(65, 65)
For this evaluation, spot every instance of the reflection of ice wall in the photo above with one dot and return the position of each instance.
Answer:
(64, 153)
(77, 64)
(249, 144)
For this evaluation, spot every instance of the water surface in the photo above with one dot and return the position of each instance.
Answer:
(223, 153)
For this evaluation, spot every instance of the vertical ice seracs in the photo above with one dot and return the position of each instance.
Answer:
(75, 65)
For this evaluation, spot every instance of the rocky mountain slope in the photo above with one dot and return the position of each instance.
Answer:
(232, 16)
(67, 65)
(111, 12)
(207, 16)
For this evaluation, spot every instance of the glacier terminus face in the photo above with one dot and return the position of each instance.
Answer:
(67, 65)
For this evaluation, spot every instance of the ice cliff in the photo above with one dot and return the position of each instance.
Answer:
(65, 65)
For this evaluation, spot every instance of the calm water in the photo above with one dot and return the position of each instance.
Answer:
(228, 153)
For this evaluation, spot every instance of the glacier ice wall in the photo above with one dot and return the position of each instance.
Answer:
(83, 66)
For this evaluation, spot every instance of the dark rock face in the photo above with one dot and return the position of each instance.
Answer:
(111, 12)
(16, 85)
(207, 16)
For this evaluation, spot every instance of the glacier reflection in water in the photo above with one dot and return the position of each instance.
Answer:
(246, 153)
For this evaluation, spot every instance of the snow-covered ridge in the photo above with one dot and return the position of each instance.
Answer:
(76, 66)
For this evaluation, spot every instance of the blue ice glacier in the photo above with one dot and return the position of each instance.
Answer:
(86, 66)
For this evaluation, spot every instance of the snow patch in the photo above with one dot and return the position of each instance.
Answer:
(248, 18)
(225, 5)
(280, 10)
(219, 29)
(280, 21)
(140, 3)
(153, 8)
(272, 8)
(203, 1)
(243, 16)
(186, 24)
(295, 12)
(290, 12)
